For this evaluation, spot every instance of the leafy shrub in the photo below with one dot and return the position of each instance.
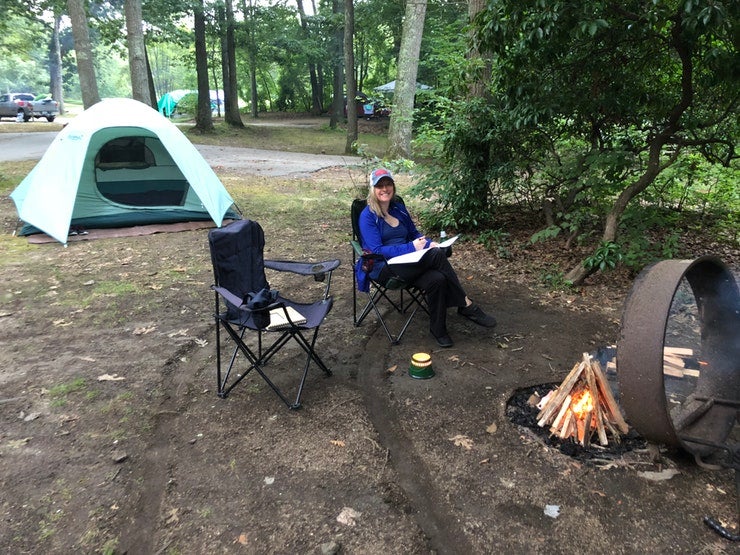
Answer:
(606, 256)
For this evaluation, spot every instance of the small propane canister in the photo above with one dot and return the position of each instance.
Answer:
(421, 366)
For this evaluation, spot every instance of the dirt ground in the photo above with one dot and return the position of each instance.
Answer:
(112, 439)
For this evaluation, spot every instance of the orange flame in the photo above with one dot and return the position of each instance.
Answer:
(582, 404)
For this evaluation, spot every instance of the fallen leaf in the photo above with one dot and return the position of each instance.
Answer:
(172, 517)
(242, 539)
(144, 331)
(665, 474)
(110, 378)
(492, 429)
(392, 369)
(348, 516)
(178, 333)
(337, 442)
(16, 443)
(462, 441)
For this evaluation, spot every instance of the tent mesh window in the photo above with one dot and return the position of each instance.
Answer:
(135, 183)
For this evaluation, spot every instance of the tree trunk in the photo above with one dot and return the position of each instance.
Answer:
(83, 53)
(150, 79)
(402, 114)
(251, 56)
(136, 52)
(231, 94)
(478, 83)
(316, 93)
(350, 146)
(203, 117)
(55, 66)
(337, 73)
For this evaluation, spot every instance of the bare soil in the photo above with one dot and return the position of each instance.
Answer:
(113, 440)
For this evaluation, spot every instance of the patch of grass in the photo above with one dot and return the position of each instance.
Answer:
(59, 393)
(40, 126)
(114, 288)
(12, 173)
(311, 140)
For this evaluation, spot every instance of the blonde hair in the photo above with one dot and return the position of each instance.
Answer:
(372, 201)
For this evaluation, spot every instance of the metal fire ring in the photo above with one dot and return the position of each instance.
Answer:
(710, 412)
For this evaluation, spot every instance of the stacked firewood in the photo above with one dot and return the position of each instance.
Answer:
(582, 405)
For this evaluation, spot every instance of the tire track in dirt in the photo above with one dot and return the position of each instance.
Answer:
(444, 536)
(157, 462)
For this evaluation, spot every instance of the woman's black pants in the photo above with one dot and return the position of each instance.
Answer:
(436, 277)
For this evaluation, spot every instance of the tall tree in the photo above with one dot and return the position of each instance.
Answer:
(337, 104)
(55, 65)
(137, 61)
(481, 67)
(203, 116)
(252, 48)
(231, 94)
(83, 53)
(402, 115)
(316, 93)
(350, 146)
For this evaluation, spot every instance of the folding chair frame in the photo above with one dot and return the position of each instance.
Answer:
(408, 300)
(257, 357)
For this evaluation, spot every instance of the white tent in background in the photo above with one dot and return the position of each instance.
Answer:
(119, 164)
(391, 87)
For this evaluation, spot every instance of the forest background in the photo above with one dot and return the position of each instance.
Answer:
(613, 127)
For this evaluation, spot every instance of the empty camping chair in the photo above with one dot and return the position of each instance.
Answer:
(403, 297)
(257, 320)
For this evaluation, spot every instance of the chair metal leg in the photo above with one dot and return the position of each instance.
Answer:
(258, 361)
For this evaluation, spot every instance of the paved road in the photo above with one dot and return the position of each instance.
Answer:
(31, 146)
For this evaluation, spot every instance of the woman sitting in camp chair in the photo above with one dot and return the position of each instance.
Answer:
(387, 229)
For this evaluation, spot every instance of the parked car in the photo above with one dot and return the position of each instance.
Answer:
(25, 104)
(46, 108)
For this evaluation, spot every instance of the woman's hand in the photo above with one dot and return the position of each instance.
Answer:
(419, 243)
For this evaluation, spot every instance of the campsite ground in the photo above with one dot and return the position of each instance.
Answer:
(112, 439)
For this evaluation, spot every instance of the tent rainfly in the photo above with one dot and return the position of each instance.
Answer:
(119, 163)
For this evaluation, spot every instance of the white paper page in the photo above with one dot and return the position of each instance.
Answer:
(411, 257)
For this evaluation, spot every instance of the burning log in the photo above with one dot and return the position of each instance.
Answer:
(582, 405)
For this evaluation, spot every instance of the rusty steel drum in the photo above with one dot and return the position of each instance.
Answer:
(710, 411)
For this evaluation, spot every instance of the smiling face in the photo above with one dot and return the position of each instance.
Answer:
(384, 190)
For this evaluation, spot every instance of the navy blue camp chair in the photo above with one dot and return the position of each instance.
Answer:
(247, 309)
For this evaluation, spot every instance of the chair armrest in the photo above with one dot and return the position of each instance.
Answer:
(230, 297)
(366, 255)
(302, 268)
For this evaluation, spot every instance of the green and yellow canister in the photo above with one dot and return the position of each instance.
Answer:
(421, 366)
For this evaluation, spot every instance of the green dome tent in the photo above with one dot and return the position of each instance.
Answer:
(119, 163)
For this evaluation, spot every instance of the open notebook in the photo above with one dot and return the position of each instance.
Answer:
(415, 256)
(278, 321)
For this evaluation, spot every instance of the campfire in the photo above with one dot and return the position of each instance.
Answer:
(583, 405)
